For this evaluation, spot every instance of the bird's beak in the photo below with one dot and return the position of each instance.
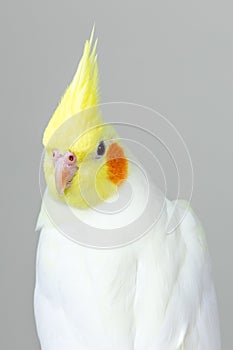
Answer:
(64, 168)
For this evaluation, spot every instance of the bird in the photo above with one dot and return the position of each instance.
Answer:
(154, 293)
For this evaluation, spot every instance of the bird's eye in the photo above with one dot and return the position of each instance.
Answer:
(101, 149)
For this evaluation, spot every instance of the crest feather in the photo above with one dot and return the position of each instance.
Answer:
(81, 94)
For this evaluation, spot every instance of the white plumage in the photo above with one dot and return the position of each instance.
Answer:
(154, 294)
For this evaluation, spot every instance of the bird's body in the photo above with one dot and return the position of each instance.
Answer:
(155, 293)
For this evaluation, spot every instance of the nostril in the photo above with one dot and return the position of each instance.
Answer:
(55, 154)
(71, 159)
(68, 158)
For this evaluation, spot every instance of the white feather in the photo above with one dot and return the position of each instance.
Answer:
(154, 294)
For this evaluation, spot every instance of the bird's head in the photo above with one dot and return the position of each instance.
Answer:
(84, 160)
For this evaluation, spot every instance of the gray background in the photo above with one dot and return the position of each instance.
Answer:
(173, 56)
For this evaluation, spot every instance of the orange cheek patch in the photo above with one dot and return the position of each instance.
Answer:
(117, 164)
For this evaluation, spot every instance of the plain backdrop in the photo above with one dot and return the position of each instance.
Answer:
(176, 57)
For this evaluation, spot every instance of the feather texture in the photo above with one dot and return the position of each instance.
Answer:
(155, 294)
(82, 93)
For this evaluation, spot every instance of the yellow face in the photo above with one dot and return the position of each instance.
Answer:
(84, 162)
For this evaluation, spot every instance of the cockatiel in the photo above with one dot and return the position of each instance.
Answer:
(153, 294)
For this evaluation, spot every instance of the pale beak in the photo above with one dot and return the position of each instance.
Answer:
(65, 168)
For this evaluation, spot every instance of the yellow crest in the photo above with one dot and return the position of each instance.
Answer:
(81, 94)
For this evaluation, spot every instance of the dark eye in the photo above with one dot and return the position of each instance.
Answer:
(101, 149)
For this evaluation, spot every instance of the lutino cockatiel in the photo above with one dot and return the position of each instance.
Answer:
(153, 294)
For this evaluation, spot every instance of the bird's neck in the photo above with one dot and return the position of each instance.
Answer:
(132, 211)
